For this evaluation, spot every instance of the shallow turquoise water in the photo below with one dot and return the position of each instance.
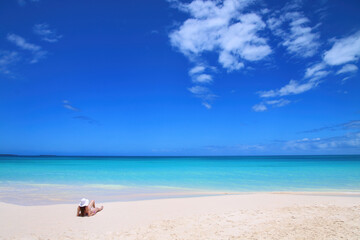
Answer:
(267, 173)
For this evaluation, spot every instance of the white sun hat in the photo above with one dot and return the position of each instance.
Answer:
(84, 202)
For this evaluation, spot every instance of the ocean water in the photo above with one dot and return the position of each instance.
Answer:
(59, 179)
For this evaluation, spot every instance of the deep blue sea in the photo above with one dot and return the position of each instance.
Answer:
(37, 177)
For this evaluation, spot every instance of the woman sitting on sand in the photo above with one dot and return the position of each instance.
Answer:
(87, 209)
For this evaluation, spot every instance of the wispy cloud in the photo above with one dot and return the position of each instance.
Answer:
(46, 34)
(278, 102)
(200, 77)
(196, 70)
(263, 106)
(291, 25)
(8, 58)
(343, 51)
(199, 90)
(350, 125)
(317, 71)
(21, 42)
(217, 149)
(37, 52)
(293, 87)
(348, 68)
(350, 141)
(312, 78)
(68, 105)
(303, 41)
(203, 78)
(204, 94)
(207, 105)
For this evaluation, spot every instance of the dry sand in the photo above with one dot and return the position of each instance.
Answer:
(245, 216)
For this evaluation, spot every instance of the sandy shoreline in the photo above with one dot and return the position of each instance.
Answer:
(244, 216)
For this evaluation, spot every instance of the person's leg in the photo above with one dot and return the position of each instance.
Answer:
(92, 204)
(98, 209)
(94, 209)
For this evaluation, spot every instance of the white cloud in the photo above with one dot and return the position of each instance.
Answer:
(350, 125)
(67, 104)
(278, 103)
(347, 141)
(204, 94)
(293, 28)
(46, 33)
(344, 80)
(348, 68)
(302, 40)
(196, 70)
(275, 23)
(344, 50)
(198, 76)
(316, 71)
(36, 50)
(293, 87)
(263, 106)
(259, 107)
(236, 36)
(207, 105)
(21, 42)
(198, 90)
(242, 41)
(7, 58)
(223, 28)
(203, 78)
(229, 61)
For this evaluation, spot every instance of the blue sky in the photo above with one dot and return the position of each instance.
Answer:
(233, 77)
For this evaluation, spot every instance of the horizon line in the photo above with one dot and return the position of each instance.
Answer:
(163, 156)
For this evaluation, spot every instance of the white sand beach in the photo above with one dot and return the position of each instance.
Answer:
(244, 216)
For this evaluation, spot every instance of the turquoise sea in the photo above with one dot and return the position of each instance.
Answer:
(31, 180)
